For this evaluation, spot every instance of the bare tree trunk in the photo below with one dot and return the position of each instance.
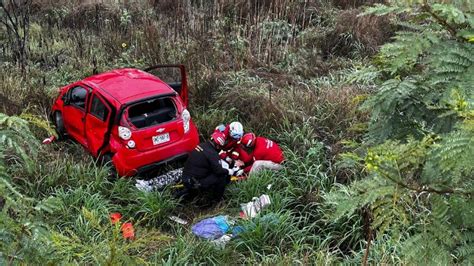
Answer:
(15, 16)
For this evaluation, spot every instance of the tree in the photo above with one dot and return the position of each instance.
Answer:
(15, 17)
(419, 148)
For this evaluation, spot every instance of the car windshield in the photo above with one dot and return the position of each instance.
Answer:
(152, 112)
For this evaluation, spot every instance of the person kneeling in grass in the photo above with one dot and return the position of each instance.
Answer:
(203, 171)
(259, 153)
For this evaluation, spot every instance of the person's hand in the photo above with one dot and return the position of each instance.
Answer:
(222, 155)
(239, 163)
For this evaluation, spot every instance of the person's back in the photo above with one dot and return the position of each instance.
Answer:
(267, 150)
(203, 161)
(259, 153)
(203, 171)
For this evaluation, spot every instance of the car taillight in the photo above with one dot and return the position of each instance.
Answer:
(131, 144)
(186, 116)
(124, 133)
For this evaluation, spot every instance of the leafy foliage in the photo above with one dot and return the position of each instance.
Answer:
(16, 140)
(23, 235)
(282, 68)
(419, 146)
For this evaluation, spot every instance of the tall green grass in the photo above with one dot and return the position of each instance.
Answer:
(260, 62)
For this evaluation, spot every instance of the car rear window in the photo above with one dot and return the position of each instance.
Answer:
(152, 112)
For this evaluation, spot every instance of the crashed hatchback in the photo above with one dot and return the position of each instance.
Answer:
(128, 117)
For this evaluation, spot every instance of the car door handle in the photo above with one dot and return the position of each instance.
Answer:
(83, 119)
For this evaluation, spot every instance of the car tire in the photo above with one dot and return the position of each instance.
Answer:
(59, 125)
(107, 161)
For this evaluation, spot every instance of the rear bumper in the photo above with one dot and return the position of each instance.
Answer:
(152, 166)
(130, 162)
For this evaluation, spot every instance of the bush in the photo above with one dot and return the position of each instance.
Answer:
(357, 36)
(418, 182)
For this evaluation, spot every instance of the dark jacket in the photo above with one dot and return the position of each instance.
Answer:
(202, 162)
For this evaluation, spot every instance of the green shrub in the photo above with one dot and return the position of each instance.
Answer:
(419, 147)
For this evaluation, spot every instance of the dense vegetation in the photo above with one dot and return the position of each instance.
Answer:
(372, 102)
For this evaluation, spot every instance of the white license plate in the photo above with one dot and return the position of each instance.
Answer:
(161, 138)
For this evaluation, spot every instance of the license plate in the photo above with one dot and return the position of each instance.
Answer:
(161, 138)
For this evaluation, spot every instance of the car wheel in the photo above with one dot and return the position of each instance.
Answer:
(107, 161)
(59, 124)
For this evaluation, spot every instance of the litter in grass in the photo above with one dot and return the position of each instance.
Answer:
(252, 208)
(178, 220)
(159, 182)
(49, 140)
(212, 228)
(222, 241)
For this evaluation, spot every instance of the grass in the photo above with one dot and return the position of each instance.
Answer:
(260, 62)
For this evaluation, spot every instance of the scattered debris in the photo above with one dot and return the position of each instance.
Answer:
(159, 182)
(178, 220)
(219, 230)
(49, 140)
(252, 208)
(212, 228)
(222, 241)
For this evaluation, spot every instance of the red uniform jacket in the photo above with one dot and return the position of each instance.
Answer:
(230, 143)
(264, 149)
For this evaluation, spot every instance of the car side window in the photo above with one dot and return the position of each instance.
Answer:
(78, 97)
(98, 108)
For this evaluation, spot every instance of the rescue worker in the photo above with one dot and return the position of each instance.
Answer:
(233, 132)
(203, 171)
(258, 153)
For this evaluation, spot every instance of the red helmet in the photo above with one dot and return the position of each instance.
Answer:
(218, 138)
(248, 140)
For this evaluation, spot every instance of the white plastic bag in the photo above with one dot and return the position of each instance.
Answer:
(252, 208)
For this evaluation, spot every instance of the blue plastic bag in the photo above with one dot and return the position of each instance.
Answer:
(211, 228)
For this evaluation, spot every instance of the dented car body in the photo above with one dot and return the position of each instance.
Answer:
(128, 117)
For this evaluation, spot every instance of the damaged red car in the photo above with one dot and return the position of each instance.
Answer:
(128, 117)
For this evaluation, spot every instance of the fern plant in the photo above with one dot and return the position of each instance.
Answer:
(418, 152)
(17, 143)
(24, 238)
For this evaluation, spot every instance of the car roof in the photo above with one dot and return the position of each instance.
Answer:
(128, 84)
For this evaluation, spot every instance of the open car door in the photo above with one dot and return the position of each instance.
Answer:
(97, 123)
(174, 76)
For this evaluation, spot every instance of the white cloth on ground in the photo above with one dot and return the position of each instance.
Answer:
(159, 182)
(260, 165)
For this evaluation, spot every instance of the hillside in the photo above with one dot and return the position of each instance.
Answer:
(371, 101)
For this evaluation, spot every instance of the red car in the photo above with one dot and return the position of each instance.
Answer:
(128, 117)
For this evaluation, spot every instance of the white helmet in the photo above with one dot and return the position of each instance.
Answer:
(236, 130)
